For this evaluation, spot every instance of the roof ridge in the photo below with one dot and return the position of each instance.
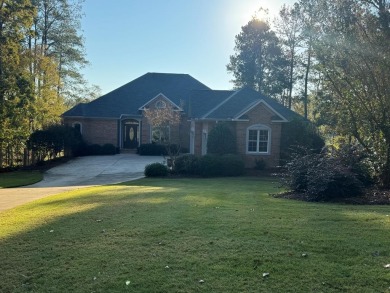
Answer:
(222, 103)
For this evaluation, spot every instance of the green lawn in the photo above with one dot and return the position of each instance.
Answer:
(19, 178)
(167, 235)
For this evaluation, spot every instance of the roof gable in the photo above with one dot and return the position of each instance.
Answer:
(234, 105)
(276, 118)
(160, 97)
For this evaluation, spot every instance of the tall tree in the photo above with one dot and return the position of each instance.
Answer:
(15, 88)
(355, 59)
(310, 17)
(258, 61)
(57, 35)
(289, 29)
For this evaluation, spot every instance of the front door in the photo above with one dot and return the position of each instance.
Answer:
(130, 135)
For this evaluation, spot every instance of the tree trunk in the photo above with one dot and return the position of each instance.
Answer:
(305, 95)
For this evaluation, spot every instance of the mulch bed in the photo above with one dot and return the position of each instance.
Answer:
(372, 196)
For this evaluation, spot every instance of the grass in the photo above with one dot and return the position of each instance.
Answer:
(19, 178)
(167, 235)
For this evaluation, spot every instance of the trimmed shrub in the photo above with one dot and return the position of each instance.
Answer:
(109, 149)
(260, 164)
(210, 166)
(151, 149)
(232, 165)
(226, 165)
(94, 150)
(187, 165)
(156, 170)
(84, 149)
(221, 140)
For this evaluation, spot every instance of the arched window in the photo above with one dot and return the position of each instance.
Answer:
(258, 139)
(161, 104)
(77, 126)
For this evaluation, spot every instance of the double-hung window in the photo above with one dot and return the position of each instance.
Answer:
(258, 139)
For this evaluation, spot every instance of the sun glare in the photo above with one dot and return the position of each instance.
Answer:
(247, 9)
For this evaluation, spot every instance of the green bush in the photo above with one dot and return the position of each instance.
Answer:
(323, 176)
(156, 170)
(109, 149)
(296, 134)
(260, 164)
(84, 149)
(151, 149)
(226, 165)
(232, 165)
(221, 140)
(51, 141)
(187, 165)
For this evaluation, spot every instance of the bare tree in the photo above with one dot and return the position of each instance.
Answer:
(162, 120)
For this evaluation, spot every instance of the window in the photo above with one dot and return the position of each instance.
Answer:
(77, 126)
(160, 134)
(258, 139)
(160, 104)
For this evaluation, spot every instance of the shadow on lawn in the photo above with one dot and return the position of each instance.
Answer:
(102, 237)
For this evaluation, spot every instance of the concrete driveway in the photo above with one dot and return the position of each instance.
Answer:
(78, 173)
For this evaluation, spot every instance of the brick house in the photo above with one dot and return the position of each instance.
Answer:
(117, 117)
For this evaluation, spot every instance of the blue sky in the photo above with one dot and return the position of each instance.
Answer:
(125, 39)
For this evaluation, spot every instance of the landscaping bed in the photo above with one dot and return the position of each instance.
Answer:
(372, 196)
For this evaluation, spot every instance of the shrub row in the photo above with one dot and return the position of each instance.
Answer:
(205, 166)
(209, 165)
(84, 149)
(153, 149)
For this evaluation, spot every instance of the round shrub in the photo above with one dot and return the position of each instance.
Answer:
(156, 170)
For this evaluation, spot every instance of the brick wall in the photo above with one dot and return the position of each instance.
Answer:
(260, 115)
(97, 131)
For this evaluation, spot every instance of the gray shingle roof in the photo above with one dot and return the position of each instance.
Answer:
(209, 104)
(127, 99)
(195, 98)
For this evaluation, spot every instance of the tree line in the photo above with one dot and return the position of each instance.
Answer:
(41, 57)
(330, 61)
